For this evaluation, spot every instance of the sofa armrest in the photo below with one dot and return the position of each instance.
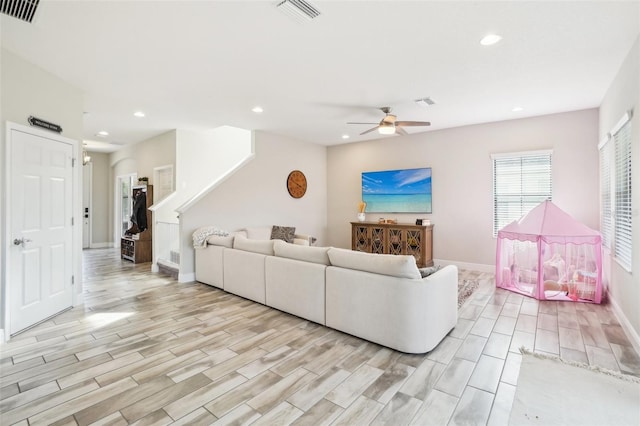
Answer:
(244, 274)
(408, 315)
(209, 265)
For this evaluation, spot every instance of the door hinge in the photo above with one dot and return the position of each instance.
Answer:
(73, 162)
(72, 222)
(73, 279)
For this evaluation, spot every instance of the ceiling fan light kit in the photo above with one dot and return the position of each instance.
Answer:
(387, 129)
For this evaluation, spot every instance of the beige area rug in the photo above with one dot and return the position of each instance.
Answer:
(551, 391)
(465, 289)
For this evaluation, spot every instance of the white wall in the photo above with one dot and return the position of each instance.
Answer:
(623, 95)
(30, 90)
(153, 152)
(256, 195)
(139, 158)
(462, 177)
(202, 159)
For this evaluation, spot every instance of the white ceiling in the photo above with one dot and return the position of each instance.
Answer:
(202, 64)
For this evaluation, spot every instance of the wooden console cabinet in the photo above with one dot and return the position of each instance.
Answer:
(138, 248)
(399, 238)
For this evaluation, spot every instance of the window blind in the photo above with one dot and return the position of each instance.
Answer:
(622, 223)
(521, 181)
(605, 193)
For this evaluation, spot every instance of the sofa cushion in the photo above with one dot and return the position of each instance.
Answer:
(217, 240)
(258, 232)
(303, 253)
(255, 246)
(386, 264)
(284, 233)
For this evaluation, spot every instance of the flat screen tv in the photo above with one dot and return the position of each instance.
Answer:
(397, 191)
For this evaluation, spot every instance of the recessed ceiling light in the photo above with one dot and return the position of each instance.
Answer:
(103, 133)
(257, 109)
(490, 39)
(138, 114)
(517, 109)
(345, 136)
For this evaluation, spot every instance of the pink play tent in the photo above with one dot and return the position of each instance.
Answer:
(550, 256)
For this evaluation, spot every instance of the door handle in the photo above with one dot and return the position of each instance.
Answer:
(21, 241)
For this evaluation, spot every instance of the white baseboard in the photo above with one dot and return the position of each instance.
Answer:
(101, 245)
(187, 278)
(78, 299)
(624, 322)
(468, 266)
(154, 267)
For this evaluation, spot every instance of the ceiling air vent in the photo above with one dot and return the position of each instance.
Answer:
(425, 101)
(24, 10)
(299, 9)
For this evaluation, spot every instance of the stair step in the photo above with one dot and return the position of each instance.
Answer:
(168, 268)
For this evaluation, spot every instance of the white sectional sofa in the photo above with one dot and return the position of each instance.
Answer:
(380, 298)
(295, 280)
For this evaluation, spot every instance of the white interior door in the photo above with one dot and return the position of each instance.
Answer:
(40, 228)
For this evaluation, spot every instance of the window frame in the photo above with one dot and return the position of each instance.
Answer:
(609, 180)
(622, 244)
(518, 156)
(605, 158)
(163, 182)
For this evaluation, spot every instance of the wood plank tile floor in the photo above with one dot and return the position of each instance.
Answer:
(144, 349)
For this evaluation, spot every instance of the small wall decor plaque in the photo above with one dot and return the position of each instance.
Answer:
(38, 122)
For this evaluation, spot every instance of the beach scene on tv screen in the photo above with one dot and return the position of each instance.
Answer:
(397, 191)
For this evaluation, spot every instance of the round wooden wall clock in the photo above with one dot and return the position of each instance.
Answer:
(296, 184)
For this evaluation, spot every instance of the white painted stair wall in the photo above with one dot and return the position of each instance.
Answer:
(203, 161)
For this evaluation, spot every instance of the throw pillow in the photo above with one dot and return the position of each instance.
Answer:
(284, 233)
(425, 272)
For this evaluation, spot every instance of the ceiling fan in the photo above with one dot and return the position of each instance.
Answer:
(390, 125)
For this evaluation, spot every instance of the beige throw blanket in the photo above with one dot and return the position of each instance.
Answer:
(201, 234)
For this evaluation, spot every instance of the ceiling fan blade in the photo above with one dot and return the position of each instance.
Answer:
(370, 130)
(352, 122)
(401, 131)
(412, 123)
